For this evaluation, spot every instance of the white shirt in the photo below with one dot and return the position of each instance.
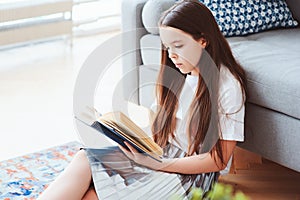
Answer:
(231, 110)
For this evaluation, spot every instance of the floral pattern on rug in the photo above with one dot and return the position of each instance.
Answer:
(26, 177)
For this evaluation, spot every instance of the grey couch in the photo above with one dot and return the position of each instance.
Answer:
(272, 63)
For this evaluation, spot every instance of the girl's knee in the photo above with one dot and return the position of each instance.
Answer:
(81, 161)
(81, 154)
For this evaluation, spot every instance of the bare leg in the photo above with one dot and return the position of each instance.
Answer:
(90, 195)
(73, 183)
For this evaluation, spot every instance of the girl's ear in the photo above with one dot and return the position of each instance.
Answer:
(203, 42)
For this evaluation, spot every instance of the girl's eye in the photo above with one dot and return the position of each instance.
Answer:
(178, 46)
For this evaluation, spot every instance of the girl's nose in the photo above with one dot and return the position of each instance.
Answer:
(172, 54)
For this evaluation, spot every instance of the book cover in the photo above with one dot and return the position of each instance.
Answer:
(119, 128)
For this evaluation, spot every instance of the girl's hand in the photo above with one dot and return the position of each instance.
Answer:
(139, 158)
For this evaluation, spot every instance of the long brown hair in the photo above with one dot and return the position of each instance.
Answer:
(194, 18)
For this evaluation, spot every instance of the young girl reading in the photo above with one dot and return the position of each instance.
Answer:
(199, 117)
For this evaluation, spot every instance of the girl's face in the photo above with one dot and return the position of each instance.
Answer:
(183, 49)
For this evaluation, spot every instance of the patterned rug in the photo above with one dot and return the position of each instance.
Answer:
(25, 177)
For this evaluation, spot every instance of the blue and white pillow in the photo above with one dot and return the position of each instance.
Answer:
(243, 17)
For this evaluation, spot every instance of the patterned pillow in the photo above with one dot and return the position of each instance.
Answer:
(242, 17)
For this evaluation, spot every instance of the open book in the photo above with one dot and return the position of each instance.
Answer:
(119, 127)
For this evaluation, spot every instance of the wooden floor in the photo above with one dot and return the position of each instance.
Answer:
(264, 180)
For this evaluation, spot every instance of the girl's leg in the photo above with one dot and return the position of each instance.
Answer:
(73, 183)
(90, 194)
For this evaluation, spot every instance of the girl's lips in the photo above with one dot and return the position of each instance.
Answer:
(178, 65)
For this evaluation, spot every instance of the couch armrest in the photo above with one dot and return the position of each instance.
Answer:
(132, 31)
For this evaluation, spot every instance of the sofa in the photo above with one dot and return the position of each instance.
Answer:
(271, 59)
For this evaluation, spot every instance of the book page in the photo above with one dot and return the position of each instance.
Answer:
(129, 129)
(141, 116)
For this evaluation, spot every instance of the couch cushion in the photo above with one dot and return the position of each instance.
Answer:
(245, 17)
(272, 63)
(151, 55)
(147, 79)
(152, 12)
(150, 49)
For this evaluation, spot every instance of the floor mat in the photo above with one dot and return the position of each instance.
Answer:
(25, 177)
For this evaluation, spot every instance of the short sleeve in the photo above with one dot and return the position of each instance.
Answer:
(231, 108)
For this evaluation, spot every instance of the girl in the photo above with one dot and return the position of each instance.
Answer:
(198, 120)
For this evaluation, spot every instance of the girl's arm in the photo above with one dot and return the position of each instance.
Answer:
(200, 163)
(188, 165)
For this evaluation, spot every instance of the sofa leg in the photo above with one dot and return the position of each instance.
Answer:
(243, 158)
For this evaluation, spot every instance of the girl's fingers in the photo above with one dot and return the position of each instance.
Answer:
(125, 151)
(133, 150)
(122, 148)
